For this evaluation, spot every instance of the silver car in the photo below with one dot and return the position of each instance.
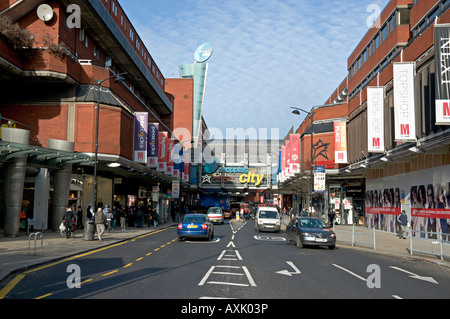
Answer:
(215, 215)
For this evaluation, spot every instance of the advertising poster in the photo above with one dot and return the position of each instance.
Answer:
(152, 149)
(427, 197)
(404, 104)
(170, 167)
(340, 142)
(442, 59)
(319, 179)
(375, 119)
(140, 137)
(162, 152)
(293, 153)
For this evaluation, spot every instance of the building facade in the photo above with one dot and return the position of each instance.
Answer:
(392, 90)
(59, 60)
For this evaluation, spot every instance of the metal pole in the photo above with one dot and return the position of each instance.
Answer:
(312, 161)
(94, 195)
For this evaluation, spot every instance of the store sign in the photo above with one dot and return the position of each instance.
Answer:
(140, 137)
(375, 119)
(251, 178)
(404, 104)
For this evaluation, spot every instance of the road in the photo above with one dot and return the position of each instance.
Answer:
(239, 263)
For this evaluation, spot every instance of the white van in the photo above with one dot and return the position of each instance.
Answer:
(267, 219)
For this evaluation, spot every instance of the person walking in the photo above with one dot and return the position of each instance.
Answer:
(100, 219)
(331, 216)
(123, 216)
(109, 219)
(68, 220)
(403, 221)
(155, 217)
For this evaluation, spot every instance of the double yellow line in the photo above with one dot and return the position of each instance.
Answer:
(7, 289)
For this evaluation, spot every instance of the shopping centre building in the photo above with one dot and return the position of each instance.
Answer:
(80, 90)
(394, 108)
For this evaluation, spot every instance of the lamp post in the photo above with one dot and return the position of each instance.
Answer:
(118, 79)
(311, 113)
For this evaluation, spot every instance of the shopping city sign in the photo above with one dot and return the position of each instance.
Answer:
(251, 178)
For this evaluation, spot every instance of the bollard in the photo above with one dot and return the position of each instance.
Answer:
(89, 231)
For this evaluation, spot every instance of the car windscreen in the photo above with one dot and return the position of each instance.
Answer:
(194, 219)
(268, 214)
(214, 210)
(311, 223)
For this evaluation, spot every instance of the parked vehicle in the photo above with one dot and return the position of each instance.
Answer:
(234, 208)
(267, 219)
(310, 231)
(215, 215)
(195, 226)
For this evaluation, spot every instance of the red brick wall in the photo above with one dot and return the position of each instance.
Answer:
(182, 90)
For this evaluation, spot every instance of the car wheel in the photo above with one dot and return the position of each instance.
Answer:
(299, 243)
(332, 247)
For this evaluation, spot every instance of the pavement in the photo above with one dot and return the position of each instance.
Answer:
(18, 254)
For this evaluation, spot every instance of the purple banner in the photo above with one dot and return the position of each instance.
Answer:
(140, 137)
(152, 153)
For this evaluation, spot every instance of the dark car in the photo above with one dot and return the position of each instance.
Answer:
(195, 226)
(310, 231)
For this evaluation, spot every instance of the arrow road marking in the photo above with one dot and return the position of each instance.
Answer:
(287, 272)
(412, 275)
(350, 272)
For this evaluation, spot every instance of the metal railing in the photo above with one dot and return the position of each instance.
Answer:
(430, 243)
(36, 236)
(356, 236)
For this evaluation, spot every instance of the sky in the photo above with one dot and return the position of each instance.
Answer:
(269, 55)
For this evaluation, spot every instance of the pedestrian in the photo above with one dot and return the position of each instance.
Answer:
(123, 216)
(80, 218)
(69, 219)
(100, 219)
(115, 217)
(155, 217)
(331, 216)
(139, 216)
(403, 221)
(109, 218)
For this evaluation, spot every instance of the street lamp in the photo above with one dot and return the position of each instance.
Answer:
(311, 113)
(118, 79)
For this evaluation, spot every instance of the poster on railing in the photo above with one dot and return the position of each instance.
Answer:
(429, 202)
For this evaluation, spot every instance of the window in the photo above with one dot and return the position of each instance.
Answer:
(384, 32)
(131, 34)
(86, 43)
(96, 51)
(114, 8)
(81, 35)
(377, 41)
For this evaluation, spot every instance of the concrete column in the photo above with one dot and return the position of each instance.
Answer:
(14, 179)
(61, 184)
(41, 195)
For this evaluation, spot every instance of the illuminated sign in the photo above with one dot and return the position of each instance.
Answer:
(251, 178)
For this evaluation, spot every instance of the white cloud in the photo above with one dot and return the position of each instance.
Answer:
(269, 55)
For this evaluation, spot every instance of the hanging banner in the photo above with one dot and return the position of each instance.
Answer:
(162, 152)
(340, 142)
(152, 150)
(293, 153)
(140, 137)
(176, 188)
(442, 60)
(404, 104)
(375, 119)
(170, 166)
(319, 179)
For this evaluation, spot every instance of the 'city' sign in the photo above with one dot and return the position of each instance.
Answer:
(251, 178)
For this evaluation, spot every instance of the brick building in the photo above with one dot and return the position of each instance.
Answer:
(48, 108)
(405, 173)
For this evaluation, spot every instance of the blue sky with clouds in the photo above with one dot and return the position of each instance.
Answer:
(269, 55)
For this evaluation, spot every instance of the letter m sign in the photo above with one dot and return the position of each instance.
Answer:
(376, 142)
(404, 129)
